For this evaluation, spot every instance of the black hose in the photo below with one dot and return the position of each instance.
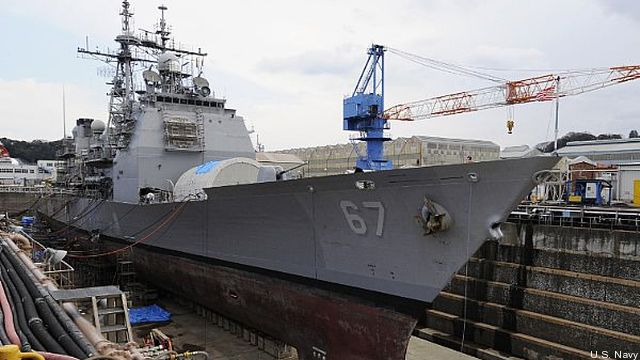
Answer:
(35, 322)
(57, 331)
(27, 339)
(3, 335)
(24, 342)
(60, 324)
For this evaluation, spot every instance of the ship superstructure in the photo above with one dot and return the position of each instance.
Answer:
(160, 123)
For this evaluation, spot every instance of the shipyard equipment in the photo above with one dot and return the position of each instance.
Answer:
(589, 191)
(363, 110)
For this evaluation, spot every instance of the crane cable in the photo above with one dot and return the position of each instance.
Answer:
(86, 211)
(444, 66)
(175, 212)
(473, 71)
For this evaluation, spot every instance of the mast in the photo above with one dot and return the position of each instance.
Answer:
(64, 117)
(163, 29)
(134, 51)
(555, 141)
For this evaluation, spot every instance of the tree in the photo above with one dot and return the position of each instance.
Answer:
(568, 137)
(608, 136)
(633, 134)
(32, 151)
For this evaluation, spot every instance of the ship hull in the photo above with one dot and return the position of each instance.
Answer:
(321, 263)
(314, 317)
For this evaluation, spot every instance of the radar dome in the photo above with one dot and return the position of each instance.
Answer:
(97, 127)
(168, 62)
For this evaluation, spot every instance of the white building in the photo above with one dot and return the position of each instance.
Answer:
(610, 152)
(12, 172)
(628, 177)
(49, 169)
(519, 151)
(403, 152)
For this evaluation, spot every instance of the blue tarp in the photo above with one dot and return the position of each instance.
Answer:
(206, 167)
(148, 314)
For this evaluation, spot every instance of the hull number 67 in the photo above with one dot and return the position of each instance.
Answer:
(357, 224)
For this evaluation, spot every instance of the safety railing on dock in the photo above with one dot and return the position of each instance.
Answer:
(35, 190)
(61, 272)
(588, 217)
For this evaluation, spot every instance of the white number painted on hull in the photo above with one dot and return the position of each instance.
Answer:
(356, 222)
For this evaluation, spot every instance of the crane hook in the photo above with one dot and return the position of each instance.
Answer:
(510, 125)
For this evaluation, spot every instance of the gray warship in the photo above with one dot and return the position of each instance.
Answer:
(341, 267)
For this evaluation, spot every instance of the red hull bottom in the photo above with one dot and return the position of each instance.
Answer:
(312, 319)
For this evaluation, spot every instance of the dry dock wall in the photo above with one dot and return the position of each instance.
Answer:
(543, 292)
(16, 202)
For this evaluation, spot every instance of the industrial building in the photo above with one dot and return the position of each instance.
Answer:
(629, 182)
(403, 152)
(519, 151)
(610, 152)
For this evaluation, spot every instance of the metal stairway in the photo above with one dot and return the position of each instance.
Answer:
(108, 307)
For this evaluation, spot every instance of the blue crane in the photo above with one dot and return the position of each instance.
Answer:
(363, 111)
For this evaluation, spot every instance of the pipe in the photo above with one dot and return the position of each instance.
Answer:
(9, 327)
(25, 244)
(103, 346)
(54, 356)
(57, 331)
(28, 341)
(34, 321)
(4, 339)
(185, 355)
(51, 321)
(24, 341)
(44, 284)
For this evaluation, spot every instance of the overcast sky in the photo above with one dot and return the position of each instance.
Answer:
(286, 65)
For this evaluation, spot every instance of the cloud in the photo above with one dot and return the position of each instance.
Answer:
(333, 63)
(33, 110)
(506, 57)
(627, 8)
(286, 64)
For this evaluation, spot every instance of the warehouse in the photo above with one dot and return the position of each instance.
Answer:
(403, 152)
(610, 152)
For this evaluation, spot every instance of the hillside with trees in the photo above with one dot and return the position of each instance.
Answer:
(31, 151)
(547, 147)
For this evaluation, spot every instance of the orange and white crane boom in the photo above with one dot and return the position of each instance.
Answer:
(540, 88)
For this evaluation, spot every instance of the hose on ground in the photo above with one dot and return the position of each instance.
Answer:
(56, 329)
(43, 285)
(44, 309)
(54, 356)
(28, 340)
(35, 323)
(4, 339)
(7, 321)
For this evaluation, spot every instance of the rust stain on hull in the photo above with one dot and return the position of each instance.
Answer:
(345, 327)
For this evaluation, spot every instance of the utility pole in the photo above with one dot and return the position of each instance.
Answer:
(555, 146)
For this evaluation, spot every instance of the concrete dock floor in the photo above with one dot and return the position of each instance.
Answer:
(190, 331)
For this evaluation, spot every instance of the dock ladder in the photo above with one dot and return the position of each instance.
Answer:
(109, 309)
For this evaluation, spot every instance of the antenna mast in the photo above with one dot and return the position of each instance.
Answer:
(134, 51)
(163, 29)
(64, 117)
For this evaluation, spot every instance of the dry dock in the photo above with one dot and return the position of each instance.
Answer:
(191, 331)
(544, 291)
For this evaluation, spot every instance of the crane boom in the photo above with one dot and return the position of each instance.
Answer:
(539, 88)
